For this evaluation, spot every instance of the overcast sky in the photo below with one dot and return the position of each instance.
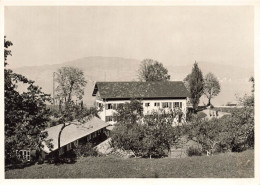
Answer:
(171, 35)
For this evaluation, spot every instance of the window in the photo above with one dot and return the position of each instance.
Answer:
(109, 118)
(23, 154)
(147, 104)
(114, 106)
(69, 147)
(109, 106)
(157, 104)
(176, 104)
(100, 105)
(180, 104)
(166, 105)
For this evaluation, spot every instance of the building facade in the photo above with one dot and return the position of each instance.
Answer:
(155, 96)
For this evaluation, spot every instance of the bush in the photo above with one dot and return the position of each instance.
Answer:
(194, 151)
(201, 115)
(85, 150)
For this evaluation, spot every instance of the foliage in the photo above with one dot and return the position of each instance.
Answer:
(206, 132)
(241, 129)
(152, 70)
(195, 84)
(85, 150)
(71, 82)
(194, 151)
(201, 115)
(233, 132)
(129, 112)
(211, 86)
(26, 114)
(147, 136)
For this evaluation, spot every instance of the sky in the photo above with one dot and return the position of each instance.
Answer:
(173, 35)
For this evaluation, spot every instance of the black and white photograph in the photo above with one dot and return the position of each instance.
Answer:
(119, 91)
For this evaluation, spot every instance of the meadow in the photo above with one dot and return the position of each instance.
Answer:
(224, 165)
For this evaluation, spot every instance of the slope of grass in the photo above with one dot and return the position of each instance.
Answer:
(228, 165)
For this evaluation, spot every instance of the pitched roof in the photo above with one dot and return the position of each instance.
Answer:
(73, 132)
(162, 89)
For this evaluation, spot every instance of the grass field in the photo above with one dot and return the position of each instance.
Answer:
(228, 165)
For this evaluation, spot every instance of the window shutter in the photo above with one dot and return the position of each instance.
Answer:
(106, 106)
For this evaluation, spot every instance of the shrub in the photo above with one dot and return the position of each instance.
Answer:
(85, 150)
(194, 151)
(201, 115)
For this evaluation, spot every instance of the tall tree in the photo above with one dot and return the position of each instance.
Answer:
(211, 86)
(71, 82)
(195, 85)
(152, 70)
(26, 114)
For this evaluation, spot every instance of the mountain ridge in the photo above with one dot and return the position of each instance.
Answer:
(233, 79)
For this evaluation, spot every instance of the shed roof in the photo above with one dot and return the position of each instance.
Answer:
(73, 132)
(141, 90)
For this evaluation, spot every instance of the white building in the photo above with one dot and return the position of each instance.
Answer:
(165, 95)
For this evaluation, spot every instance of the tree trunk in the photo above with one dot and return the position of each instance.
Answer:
(70, 92)
(209, 103)
(59, 105)
(57, 153)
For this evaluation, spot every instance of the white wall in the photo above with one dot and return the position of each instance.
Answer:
(146, 110)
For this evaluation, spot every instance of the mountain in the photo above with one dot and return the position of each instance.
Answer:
(94, 68)
(232, 79)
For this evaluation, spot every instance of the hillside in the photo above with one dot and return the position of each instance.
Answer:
(225, 165)
(234, 80)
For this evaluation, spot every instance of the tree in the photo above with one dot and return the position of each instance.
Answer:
(152, 70)
(71, 82)
(195, 84)
(146, 135)
(211, 86)
(26, 114)
(209, 133)
(248, 100)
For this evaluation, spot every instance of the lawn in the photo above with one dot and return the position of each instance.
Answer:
(228, 165)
